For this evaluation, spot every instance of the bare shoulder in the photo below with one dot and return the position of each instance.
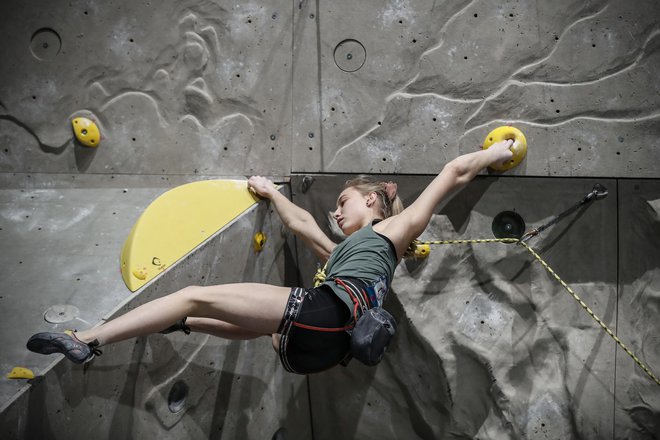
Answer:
(397, 229)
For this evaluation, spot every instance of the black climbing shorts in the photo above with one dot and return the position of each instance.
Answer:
(304, 350)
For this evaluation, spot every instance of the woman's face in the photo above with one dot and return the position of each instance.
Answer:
(353, 211)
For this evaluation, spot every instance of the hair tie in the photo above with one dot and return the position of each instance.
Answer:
(390, 190)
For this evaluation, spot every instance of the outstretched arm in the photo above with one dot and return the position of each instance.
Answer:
(295, 218)
(403, 228)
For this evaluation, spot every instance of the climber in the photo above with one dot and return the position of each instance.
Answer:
(379, 231)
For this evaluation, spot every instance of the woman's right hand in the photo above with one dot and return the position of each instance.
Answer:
(261, 186)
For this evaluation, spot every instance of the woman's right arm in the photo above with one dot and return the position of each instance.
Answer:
(295, 218)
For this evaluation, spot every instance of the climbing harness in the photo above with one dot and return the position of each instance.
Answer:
(575, 296)
(371, 327)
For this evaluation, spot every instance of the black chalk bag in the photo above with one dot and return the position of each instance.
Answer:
(371, 335)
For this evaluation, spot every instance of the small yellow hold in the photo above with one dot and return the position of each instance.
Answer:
(86, 131)
(519, 147)
(422, 251)
(140, 273)
(20, 373)
(259, 241)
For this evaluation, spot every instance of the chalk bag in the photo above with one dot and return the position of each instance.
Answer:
(371, 335)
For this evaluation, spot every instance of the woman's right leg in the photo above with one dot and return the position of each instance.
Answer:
(221, 329)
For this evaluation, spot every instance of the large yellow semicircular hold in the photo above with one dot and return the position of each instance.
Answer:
(177, 222)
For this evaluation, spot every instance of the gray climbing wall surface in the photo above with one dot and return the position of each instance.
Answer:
(176, 87)
(490, 346)
(177, 386)
(577, 77)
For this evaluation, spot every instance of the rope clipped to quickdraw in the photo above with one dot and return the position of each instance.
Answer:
(574, 295)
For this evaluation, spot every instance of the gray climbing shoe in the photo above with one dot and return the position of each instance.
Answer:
(66, 343)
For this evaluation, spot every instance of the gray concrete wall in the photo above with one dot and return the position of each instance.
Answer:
(381, 86)
(184, 90)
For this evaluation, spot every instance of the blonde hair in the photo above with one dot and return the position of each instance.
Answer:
(389, 204)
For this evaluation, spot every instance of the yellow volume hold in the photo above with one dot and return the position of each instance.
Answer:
(86, 131)
(178, 221)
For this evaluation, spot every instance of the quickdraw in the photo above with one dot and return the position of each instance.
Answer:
(320, 276)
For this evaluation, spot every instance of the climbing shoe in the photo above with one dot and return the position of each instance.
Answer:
(180, 325)
(66, 343)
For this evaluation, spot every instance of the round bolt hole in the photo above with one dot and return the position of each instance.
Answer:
(350, 55)
(176, 400)
(61, 313)
(45, 44)
(280, 434)
(508, 224)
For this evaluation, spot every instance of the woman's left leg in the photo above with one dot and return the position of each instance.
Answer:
(254, 307)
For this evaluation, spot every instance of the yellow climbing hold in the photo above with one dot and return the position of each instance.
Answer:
(140, 273)
(519, 147)
(20, 373)
(86, 131)
(422, 251)
(177, 222)
(259, 241)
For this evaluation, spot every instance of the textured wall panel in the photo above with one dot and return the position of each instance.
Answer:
(638, 414)
(577, 77)
(490, 345)
(398, 86)
(236, 389)
(176, 87)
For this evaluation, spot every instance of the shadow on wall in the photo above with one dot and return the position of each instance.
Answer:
(405, 396)
(180, 386)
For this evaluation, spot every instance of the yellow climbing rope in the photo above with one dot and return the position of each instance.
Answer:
(568, 289)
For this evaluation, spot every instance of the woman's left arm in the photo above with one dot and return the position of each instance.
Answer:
(405, 227)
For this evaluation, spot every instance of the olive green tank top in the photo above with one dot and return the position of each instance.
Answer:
(365, 255)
